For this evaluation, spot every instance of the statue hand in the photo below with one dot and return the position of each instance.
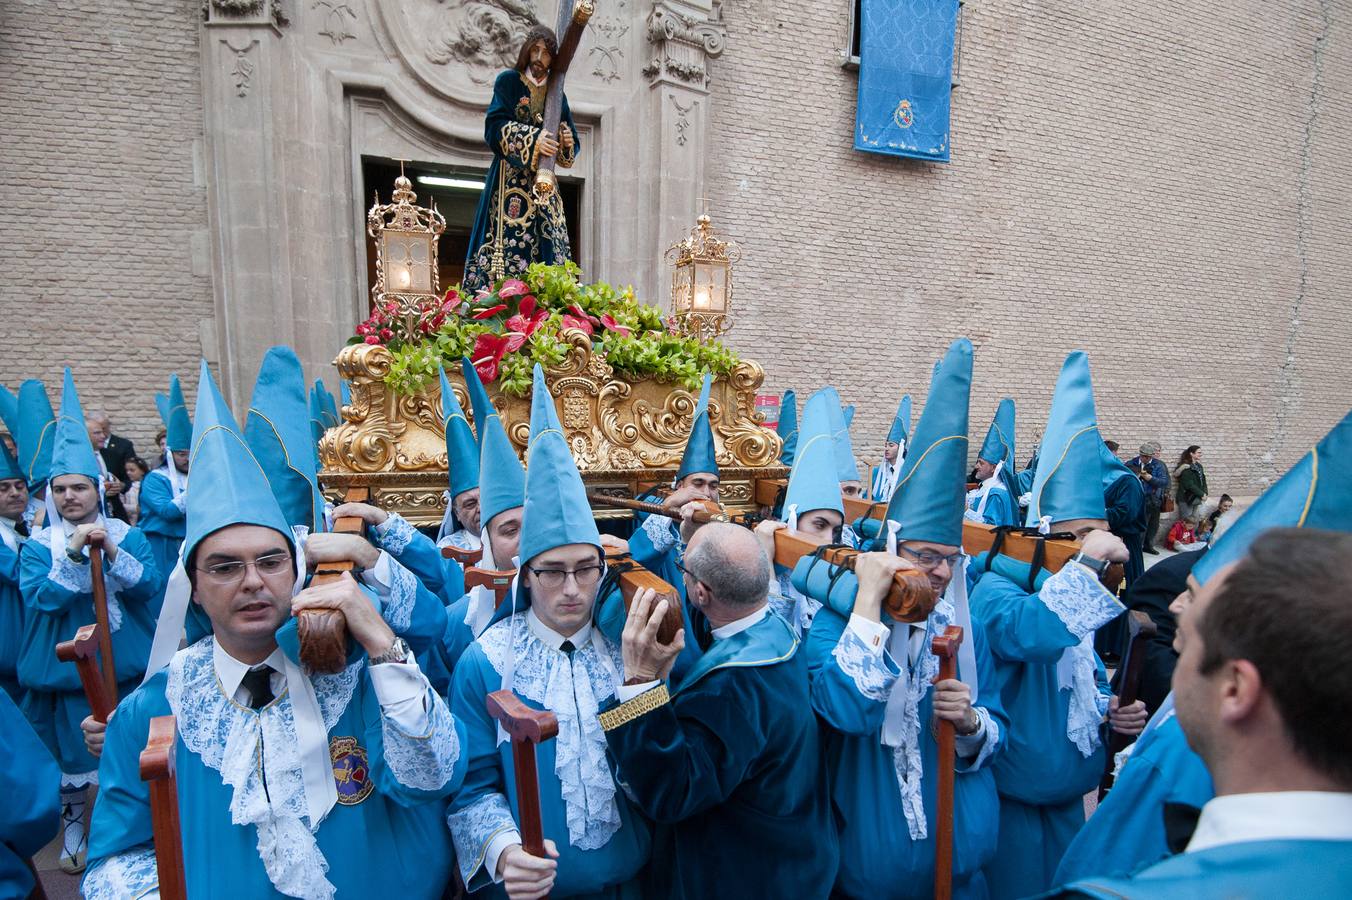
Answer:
(566, 137)
(546, 146)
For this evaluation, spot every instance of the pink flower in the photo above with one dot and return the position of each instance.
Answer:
(452, 296)
(488, 313)
(580, 324)
(513, 287)
(386, 334)
(372, 339)
(488, 352)
(527, 306)
(609, 321)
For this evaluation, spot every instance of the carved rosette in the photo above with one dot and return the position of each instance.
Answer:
(622, 434)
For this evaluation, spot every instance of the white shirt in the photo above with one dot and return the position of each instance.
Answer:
(10, 535)
(551, 638)
(723, 632)
(1276, 816)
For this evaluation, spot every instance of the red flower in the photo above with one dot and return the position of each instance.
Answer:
(609, 321)
(526, 324)
(488, 352)
(527, 306)
(372, 339)
(452, 296)
(488, 313)
(386, 334)
(579, 324)
(513, 287)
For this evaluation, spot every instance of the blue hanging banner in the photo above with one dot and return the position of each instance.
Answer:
(905, 77)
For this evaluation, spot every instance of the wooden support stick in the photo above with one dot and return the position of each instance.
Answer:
(462, 556)
(528, 728)
(82, 650)
(1140, 630)
(945, 646)
(100, 590)
(909, 599)
(323, 632)
(157, 767)
(499, 581)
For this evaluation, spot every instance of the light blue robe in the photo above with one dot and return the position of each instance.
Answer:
(603, 842)
(384, 839)
(1127, 832)
(12, 618)
(1043, 775)
(878, 856)
(162, 521)
(419, 554)
(1001, 509)
(59, 600)
(1258, 870)
(31, 813)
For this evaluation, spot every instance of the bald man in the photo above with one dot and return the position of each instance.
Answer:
(730, 766)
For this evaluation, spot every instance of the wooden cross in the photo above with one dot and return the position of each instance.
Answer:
(572, 22)
(157, 767)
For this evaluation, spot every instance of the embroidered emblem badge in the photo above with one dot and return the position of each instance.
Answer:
(351, 772)
(903, 115)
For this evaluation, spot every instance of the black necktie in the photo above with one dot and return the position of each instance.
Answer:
(21, 528)
(567, 648)
(1180, 821)
(258, 682)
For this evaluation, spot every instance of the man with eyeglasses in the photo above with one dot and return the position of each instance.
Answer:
(544, 646)
(289, 783)
(13, 534)
(730, 761)
(57, 587)
(1053, 684)
(874, 680)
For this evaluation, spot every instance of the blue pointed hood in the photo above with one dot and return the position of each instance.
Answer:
(9, 466)
(9, 411)
(162, 407)
(328, 407)
(901, 423)
(813, 483)
(177, 425)
(699, 449)
(557, 512)
(1315, 493)
(72, 453)
(277, 430)
(932, 487)
(1068, 483)
(37, 433)
(999, 445)
(787, 427)
(502, 480)
(344, 392)
(229, 487)
(462, 450)
(479, 403)
(846, 467)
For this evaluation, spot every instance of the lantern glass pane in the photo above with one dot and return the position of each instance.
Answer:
(718, 287)
(682, 287)
(407, 259)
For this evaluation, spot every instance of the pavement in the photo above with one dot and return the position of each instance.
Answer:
(57, 884)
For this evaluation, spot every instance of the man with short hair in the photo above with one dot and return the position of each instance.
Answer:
(13, 534)
(113, 486)
(164, 491)
(1266, 706)
(884, 480)
(289, 783)
(1154, 477)
(995, 499)
(729, 764)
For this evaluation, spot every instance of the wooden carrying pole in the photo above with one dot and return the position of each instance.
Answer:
(945, 646)
(1140, 630)
(82, 650)
(323, 632)
(157, 768)
(100, 590)
(528, 728)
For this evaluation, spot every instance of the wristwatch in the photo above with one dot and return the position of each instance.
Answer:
(1097, 566)
(398, 652)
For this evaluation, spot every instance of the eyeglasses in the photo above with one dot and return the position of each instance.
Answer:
(584, 576)
(928, 559)
(693, 577)
(232, 571)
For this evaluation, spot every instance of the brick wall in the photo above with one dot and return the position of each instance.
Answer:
(101, 104)
(1164, 185)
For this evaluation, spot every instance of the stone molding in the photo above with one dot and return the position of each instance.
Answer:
(683, 44)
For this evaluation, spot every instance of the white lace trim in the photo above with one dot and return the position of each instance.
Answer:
(1083, 605)
(791, 606)
(397, 608)
(991, 742)
(906, 761)
(1075, 672)
(849, 536)
(864, 665)
(662, 532)
(122, 876)
(1079, 600)
(423, 762)
(77, 579)
(225, 736)
(572, 691)
(394, 534)
(474, 827)
(461, 539)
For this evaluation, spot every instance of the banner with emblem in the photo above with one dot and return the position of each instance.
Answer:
(905, 77)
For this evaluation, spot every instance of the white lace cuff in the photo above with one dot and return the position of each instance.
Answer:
(476, 829)
(394, 534)
(974, 749)
(181, 502)
(1079, 600)
(662, 532)
(423, 761)
(74, 577)
(865, 665)
(397, 589)
(126, 569)
(129, 875)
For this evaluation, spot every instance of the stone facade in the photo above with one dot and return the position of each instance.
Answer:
(1164, 185)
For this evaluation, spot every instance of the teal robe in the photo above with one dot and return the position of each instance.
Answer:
(419, 554)
(59, 600)
(383, 838)
(162, 521)
(1001, 508)
(603, 841)
(878, 856)
(1257, 870)
(1042, 775)
(31, 815)
(12, 617)
(731, 769)
(1127, 831)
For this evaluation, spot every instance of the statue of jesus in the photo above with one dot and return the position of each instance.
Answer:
(511, 228)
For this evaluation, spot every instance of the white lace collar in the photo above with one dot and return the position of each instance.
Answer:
(551, 638)
(740, 625)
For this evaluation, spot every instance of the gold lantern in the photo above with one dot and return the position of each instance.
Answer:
(406, 236)
(701, 285)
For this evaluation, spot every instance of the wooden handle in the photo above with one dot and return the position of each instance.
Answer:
(528, 727)
(709, 511)
(1140, 629)
(100, 590)
(522, 722)
(499, 581)
(945, 646)
(909, 599)
(634, 578)
(323, 632)
(157, 767)
(82, 650)
(462, 556)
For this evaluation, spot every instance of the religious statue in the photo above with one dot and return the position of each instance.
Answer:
(515, 224)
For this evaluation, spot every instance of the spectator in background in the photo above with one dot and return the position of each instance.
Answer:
(1155, 479)
(1191, 478)
(159, 442)
(113, 485)
(1183, 536)
(115, 450)
(1214, 518)
(131, 501)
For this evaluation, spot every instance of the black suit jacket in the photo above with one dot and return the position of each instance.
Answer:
(115, 457)
(1152, 593)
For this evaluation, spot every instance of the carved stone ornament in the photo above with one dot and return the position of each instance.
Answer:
(682, 45)
(245, 12)
(623, 434)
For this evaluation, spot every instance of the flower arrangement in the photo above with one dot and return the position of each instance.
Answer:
(505, 331)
